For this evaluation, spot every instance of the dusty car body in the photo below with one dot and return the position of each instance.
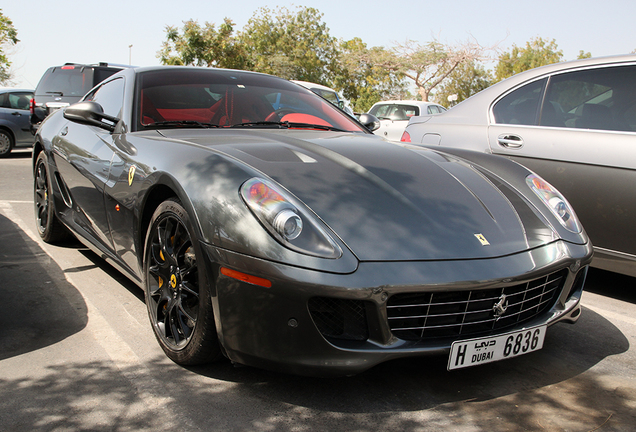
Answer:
(573, 123)
(267, 226)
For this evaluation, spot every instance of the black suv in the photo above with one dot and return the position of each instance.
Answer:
(61, 86)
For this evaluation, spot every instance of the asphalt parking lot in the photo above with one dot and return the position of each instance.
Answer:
(77, 353)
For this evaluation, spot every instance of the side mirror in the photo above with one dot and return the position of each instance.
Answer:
(90, 113)
(369, 121)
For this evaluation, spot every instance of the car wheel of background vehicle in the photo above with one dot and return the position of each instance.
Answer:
(177, 298)
(6, 143)
(49, 227)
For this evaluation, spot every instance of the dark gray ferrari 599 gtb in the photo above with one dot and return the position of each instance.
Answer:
(267, 226)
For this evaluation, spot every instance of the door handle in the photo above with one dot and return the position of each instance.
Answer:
(510, 141)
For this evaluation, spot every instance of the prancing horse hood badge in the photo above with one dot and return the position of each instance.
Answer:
(500, 307)
(482, 239)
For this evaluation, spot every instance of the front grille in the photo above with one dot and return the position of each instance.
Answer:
(340, 318)
(426, 315)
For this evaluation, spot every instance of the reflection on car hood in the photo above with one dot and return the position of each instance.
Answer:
(387, 202)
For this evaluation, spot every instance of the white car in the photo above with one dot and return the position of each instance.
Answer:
(395, 115)
(328, 93)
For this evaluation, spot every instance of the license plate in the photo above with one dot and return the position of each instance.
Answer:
(489, 349)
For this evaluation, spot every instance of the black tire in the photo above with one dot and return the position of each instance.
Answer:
(6, 143)
(177, 297)
(51, 230)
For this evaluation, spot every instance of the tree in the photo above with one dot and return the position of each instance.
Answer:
(292, 45)
(428, 65)
(8, 36)
(537, 52)
(361, 80)
(204, 46)
(466, 80)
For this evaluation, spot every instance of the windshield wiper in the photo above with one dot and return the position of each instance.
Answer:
(289, 125)
(181, 123)
(260, 123)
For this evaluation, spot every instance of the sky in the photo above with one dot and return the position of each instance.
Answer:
(52, 33)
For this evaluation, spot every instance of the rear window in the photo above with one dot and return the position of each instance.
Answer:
(66, 81)
(395, 112)
(72, 80)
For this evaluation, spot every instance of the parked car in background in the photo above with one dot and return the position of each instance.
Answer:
(574, 124)
(395, 115)
(266, 225)
(328, 93)
(61, 86)
(14, 120)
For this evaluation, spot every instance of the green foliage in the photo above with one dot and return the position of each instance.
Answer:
(361, 79)
(584, 55)
(292, 45)
(204, 46)
(8, 36)
(428, 65)
(296, 44)
(537, 52)
(466, 80)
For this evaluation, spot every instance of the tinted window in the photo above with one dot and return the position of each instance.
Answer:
(15, 100)
(110, 96)
(224, 98)
(394, 111)
(66, 81)
(601, 98)
(521, 106)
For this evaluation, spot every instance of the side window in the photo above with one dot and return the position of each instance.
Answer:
(601, 98)
(19, 100)
(380, 111)
(411, 111)
(520, 106)
(110, 96)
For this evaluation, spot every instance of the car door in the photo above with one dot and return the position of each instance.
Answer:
(83, 155)
(14, 112)
(578, 130)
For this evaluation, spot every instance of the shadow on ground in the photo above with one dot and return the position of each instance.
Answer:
(557, 388)
(39, 307)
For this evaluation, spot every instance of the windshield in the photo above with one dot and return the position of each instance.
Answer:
(188, 97)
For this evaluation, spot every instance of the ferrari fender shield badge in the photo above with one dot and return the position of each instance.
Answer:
(482, 239)
(131, 175)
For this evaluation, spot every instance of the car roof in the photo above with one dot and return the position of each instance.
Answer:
(522, 77)
(8, 89)
(405, 101)
(311, 85)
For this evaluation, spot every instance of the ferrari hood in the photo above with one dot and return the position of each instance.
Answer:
(388, 202)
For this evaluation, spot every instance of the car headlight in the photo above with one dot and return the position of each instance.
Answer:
(557, 204)
(287, 219)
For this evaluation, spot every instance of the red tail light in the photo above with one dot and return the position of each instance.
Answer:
(32, 106)
(405, 137)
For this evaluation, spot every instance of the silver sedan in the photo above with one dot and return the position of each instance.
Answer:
(573, 123)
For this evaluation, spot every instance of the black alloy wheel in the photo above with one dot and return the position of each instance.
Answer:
(179, 305)
(50, 228)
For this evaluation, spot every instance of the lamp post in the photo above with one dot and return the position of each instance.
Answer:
(130, 55)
